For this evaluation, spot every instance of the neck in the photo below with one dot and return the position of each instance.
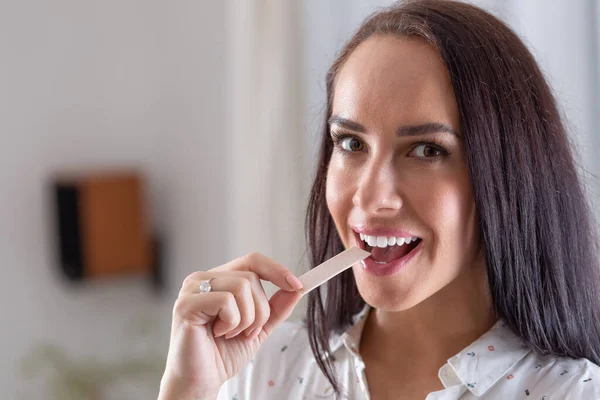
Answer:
(434, 330)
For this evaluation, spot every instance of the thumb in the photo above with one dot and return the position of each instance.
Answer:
(282, 304)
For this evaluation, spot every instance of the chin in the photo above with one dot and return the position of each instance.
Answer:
(387, 296)
(395, 295)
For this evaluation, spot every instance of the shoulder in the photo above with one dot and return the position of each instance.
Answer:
(561, 377)
(283, 356)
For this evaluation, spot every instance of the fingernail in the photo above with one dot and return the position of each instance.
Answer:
(293, 281)
(248, 333)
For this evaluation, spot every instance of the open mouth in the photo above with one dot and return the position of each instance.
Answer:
(386, 249)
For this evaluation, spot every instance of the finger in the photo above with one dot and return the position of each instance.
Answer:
(262, 309)
(282, 304)
(202, 309)
(242, 291)
(191, 285)
(249, 294)
(192, 281)
(266, 269)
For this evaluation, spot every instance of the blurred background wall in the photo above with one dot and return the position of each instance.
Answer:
(205, 97)
(98, 84)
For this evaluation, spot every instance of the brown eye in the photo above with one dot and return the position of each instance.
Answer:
(427, 151)
(351, 144)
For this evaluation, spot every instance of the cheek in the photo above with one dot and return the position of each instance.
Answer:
(450, 212)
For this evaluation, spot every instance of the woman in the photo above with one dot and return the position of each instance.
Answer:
(443, 154)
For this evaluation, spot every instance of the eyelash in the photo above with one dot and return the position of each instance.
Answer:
(337, 137)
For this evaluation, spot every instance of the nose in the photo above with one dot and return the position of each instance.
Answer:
(377, 191)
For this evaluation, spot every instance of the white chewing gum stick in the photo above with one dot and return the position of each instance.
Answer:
(330, 268)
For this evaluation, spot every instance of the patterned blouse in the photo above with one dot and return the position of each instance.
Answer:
(496, 366)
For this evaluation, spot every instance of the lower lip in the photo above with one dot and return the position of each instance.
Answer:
(392, 267)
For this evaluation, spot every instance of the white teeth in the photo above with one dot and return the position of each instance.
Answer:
(383, 241)
(371, 240)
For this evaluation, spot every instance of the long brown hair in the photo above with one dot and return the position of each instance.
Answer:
(535, 222)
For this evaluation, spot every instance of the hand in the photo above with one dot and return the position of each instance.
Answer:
(215, 334)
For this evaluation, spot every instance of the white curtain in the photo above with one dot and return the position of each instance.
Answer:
(267, 185)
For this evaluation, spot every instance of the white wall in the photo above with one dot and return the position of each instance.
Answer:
(84, 84)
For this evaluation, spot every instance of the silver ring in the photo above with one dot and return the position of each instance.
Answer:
(205, 286)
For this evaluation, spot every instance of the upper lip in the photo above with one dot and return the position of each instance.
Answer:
(372, 230)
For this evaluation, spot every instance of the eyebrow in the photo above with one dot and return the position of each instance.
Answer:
(410, 130)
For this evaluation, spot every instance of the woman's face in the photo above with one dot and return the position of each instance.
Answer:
(398, 170)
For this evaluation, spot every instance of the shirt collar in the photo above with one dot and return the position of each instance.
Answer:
(478, 366)
(488, 359)
(349, 339)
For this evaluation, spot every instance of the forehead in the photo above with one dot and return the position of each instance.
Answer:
(389, 81)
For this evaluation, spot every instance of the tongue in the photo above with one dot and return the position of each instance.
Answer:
(391, 253)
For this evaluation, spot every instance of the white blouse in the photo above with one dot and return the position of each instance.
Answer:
(496, 366)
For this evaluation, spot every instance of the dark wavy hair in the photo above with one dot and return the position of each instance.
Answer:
(545, 284)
